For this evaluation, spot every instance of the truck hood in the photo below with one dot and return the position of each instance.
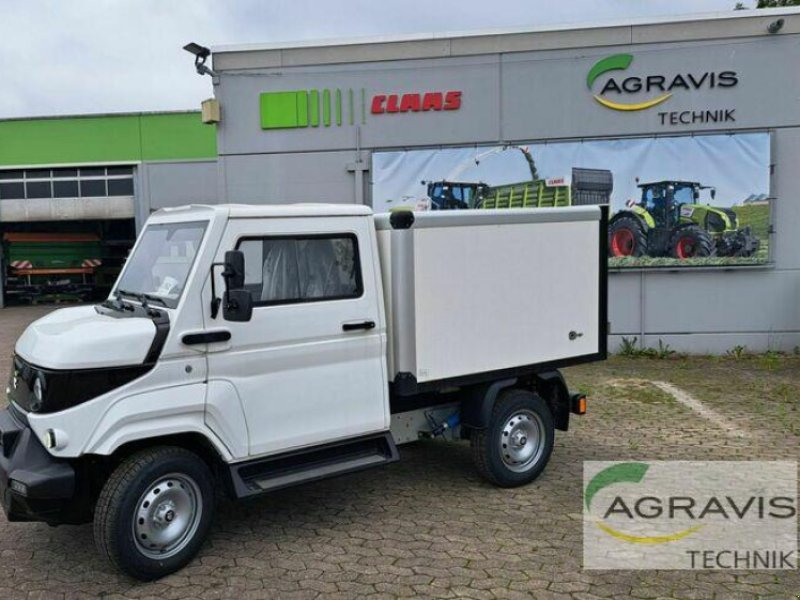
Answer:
(82, 338)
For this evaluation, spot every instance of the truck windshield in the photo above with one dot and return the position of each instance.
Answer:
(162, 261)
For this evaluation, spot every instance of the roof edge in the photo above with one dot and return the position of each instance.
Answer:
(153, 113)
(460, 35)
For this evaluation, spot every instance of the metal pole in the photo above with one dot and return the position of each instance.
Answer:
(642, 300)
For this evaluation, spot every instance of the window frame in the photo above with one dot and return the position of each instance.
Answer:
(349, 235)
(52, 175)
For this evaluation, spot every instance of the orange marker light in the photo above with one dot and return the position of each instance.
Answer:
(579, 404)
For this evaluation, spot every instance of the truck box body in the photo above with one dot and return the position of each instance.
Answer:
(471, 292)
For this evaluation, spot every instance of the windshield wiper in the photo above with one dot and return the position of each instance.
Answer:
(119, 304)
(154, 298)
(109, 303)
(135, 295)
(143, 298)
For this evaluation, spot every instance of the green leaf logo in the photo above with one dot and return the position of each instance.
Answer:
(616, 62)
(621, 473)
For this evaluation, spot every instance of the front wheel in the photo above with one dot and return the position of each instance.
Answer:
(154, 512)
(692, 241)
(516, 445)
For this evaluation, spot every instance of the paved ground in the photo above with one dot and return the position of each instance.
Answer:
(427, 526)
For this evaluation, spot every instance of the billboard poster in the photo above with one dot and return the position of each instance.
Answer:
(674, 201)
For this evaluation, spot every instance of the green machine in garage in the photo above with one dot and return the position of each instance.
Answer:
(669, 220)
(51, 266)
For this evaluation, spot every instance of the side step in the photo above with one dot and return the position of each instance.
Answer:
(310, 464)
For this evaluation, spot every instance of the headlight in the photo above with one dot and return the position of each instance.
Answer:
(38, 393)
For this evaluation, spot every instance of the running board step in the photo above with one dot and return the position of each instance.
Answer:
(310, 464)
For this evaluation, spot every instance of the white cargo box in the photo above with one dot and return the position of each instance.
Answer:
(488, 291)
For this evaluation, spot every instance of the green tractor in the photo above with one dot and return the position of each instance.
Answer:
(669, 221)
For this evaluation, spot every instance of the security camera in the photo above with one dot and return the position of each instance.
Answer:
(201, 54)
(775, 26)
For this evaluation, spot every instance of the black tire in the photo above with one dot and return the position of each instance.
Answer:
(489, 445)
(627, 237)
(184, 476)
(691, 241)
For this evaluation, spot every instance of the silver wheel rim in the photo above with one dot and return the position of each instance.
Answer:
(167, 516)
(522, 440)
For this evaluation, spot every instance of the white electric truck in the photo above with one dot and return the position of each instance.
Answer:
(249, 348)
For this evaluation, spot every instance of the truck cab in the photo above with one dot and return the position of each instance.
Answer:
(250, 348)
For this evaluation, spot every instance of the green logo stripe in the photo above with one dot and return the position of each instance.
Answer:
(304, 108)
(616, 62)
(313, 107)
(625, 472)
(326, 107)
(284, 109)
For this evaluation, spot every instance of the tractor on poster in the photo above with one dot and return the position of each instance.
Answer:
(669, 220)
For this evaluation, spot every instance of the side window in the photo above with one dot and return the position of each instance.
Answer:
(284, 270)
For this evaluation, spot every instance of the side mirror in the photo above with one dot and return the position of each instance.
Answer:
(236, 302)
(233, 274)
(696, 195)
(713, 193)
(237, 305)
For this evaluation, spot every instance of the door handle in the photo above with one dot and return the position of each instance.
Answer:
(206, 337)
(363, 325)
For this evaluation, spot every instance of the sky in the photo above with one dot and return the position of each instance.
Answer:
(744, 170)
(95, 56)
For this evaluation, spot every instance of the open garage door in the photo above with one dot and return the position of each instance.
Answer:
(65, 231)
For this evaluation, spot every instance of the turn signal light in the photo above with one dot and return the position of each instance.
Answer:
(579, 404)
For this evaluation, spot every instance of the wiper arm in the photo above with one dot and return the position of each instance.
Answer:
(108, 303)
(154, 298)
(120, 305)
(135, 295)
(143, 298)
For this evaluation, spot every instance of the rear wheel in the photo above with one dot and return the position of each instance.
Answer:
(627, 237)
(691, 242)
(154, 512)
(516, 445)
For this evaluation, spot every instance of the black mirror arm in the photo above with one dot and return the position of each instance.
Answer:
(216, 301)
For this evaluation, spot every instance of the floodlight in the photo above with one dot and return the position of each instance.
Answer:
(201, 54)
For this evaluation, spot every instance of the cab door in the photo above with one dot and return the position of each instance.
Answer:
(309, 367)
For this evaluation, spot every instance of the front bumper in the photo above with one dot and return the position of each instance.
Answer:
(34, 486)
